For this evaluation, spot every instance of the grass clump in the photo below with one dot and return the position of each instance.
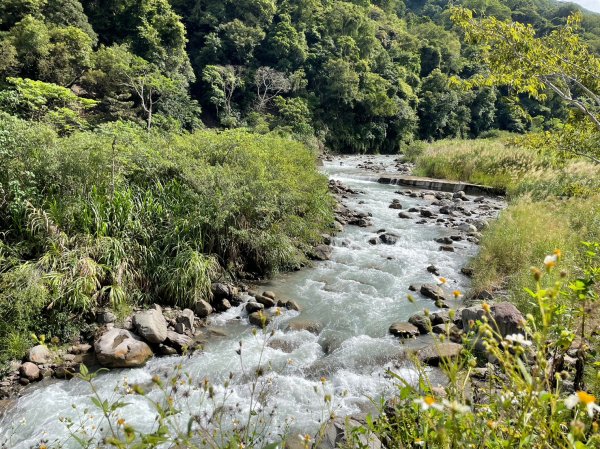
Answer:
(119, 216)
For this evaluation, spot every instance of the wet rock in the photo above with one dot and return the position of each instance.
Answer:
(203, 308)
(440, 317)
(260, 318)
(433, 270)
(322, 252)
(373, 241)
(396, 204)
(421, 322)
(445, 240)
(314, 327)
(404, 215)
(413, 287)
(223, 305)
(265, 301)
(388, 238)
(40, 354)
(269, 294)
(288, 304)
(253, 306)
(64, 372)
(413, 209)
(467, 271)
(432, 292)
(447, 248)
(119, 348)
(434, 354)
(151, 325)
(404, 330)
(30, 371)
(439, 329)
(460, 195)
(446, 210)
(426, 213)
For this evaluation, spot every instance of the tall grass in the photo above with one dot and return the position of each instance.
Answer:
(120, 216)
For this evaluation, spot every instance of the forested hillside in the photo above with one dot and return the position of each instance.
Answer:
(361, 76)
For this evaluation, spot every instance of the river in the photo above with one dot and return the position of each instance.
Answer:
(355, 296)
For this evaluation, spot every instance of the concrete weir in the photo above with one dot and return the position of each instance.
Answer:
(441, 185)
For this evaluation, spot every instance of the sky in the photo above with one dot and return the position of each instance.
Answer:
(592, 5)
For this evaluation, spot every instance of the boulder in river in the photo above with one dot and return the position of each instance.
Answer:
(253, 306)
(151, 325)
(265, 301)
(434, 292)
(314, 327)
(186, 319)
(260, 318)
(119, 348)
(421, 322)
(203, 308)
(388, 238)
(322, 252)
(178, 341)
(404, 330)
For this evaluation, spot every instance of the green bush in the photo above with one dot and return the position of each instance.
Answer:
(120, 216)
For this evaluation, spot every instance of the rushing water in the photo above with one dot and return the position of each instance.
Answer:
(356, 296)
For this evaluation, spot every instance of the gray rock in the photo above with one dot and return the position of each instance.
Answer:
(466, 227)
(288, 304)
(105, 317)
(404, 215)
(119, 348)
(179, 328)
(253, 306)
(203, 308)
(433, 270)
(178, 341)
(434, 354)
(260, 318)
(388, 238)
(220, 291)
(187, 318)
(426, 213)
(30, 371)
(508, 318)
(151, 325)
(314, 327)
(82, 348)
(40, 354)
(269, 294)
(322, 252)
(421, 322)
(265, 301)
(460, 195)
(404, 330)
(222, 305)
(434, 292)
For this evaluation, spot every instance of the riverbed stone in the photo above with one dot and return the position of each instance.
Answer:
(434, 354)
(178, 341)
(404, 215)
(265, 301)
(288, 304)
(119, 348)
(151, 325)
(187, 318)
(434, 292)
(388, 238)
(260, 318)
(404, 330)
(253, 306)
(40, 354)
(421, 322)
(322, 252)
(220, 291)
(203, 308)
(30, 371)
(314, 327)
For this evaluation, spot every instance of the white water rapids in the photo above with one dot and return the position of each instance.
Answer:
(356, 296)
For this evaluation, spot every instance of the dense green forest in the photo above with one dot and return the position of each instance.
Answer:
(360, 76)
